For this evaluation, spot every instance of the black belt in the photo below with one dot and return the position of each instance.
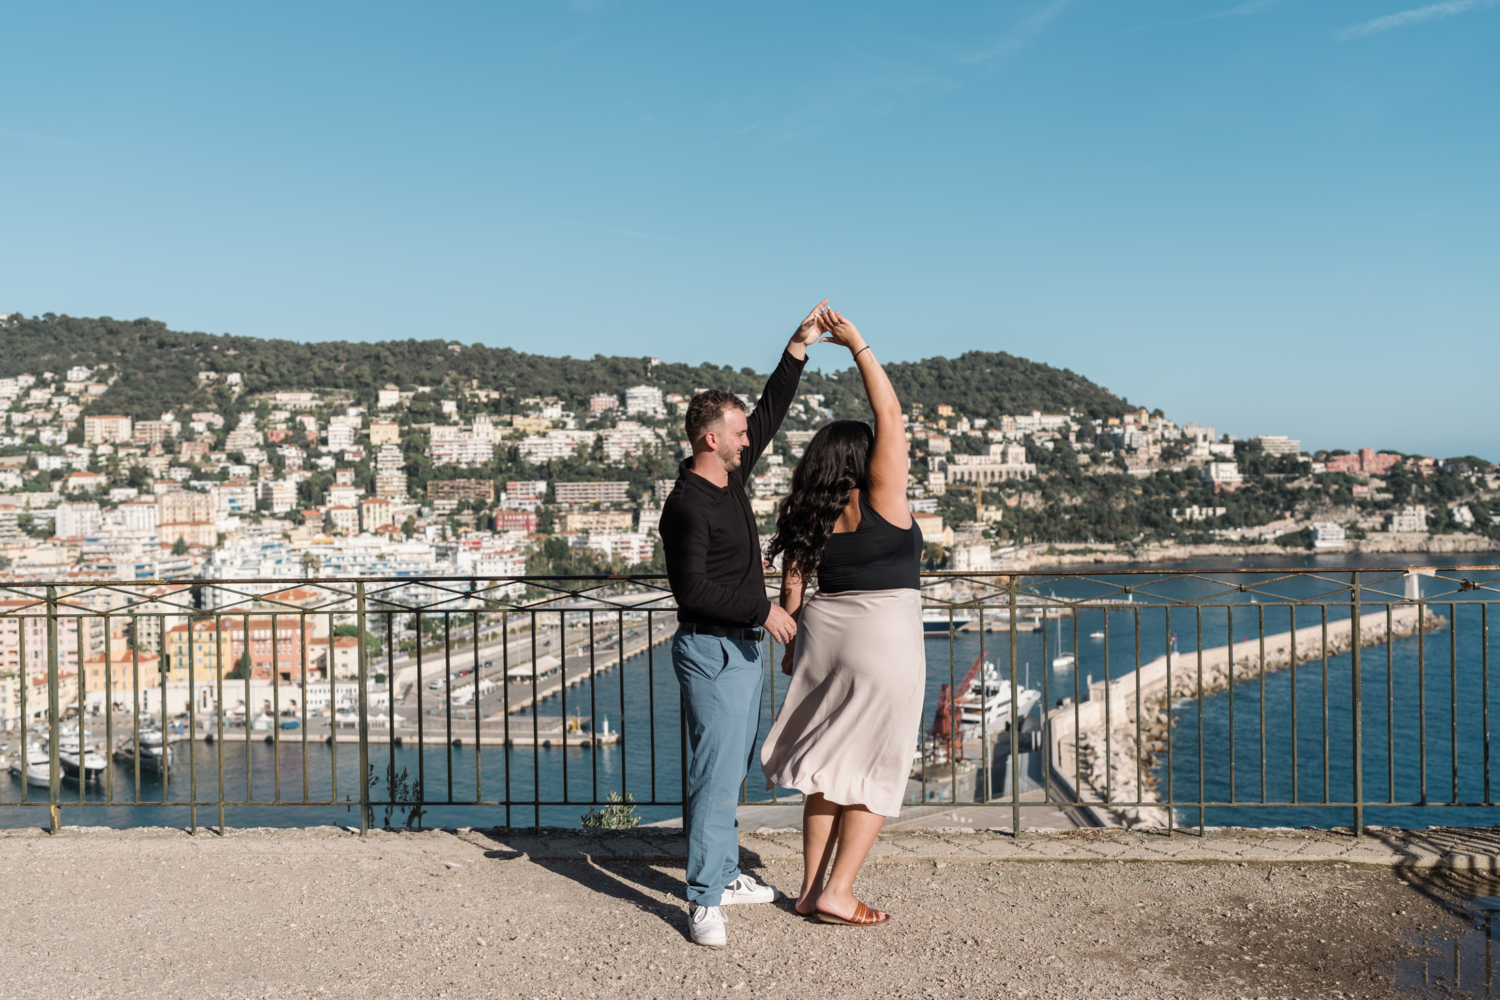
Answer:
(752, 634)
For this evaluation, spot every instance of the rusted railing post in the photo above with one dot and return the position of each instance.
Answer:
(1015, 722)
(364, 713)
(1354, 708)
(54, 772)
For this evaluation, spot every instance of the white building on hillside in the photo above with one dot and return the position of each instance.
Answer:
(76, 520)
(555, 444)
(645, 400)
(1327, 535)
(629, 546)
(1279, 444)
(973, 558)
(1409, 518)
(1223, 475)
(465, 450)
(626, 439)
(1004, 461)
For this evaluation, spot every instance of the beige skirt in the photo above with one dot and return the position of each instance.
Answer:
(849, 725)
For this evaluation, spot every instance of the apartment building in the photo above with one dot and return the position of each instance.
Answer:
(1408, 518)
(76, 520)
(1328, 535)
(516, 520)
(465, 450)
(444, 495)
(376, 513)
(1279, 444)
(596, 520)
(645, 400)
(112, 428)
(275, 646)
(279, 494)
(384, 432)
(599, 492)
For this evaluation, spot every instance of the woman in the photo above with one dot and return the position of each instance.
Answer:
(847, 730)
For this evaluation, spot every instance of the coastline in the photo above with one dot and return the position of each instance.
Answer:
(1099, 737)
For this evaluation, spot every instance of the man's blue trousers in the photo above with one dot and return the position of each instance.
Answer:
(721, 685)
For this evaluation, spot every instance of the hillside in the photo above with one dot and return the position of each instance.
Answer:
(159, 368)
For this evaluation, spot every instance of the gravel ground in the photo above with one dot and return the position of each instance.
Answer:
(145, 913)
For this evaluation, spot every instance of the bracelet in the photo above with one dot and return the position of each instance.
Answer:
(861, 351)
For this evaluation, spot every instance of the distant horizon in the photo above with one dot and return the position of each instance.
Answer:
(813, 356)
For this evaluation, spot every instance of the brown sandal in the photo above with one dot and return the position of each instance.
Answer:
(863, 916)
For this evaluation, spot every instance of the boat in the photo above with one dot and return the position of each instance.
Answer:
(1096, 635)
(1063, 660)
(941, 620)
(155, 754)
(34, 764)
(983, 701)
(980, 704)
(75, 756)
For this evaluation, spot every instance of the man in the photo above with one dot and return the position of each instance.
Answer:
(714, 565)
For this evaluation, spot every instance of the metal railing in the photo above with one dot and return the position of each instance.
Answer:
(1119, 696)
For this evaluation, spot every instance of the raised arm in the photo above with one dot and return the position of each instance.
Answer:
(780, 390)
(888, 463)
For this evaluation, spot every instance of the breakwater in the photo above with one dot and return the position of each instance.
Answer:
(1094, 746)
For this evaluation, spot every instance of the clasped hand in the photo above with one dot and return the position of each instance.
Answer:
(824, 325)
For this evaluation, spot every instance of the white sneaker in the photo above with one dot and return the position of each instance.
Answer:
(706, 925)
(746, 890)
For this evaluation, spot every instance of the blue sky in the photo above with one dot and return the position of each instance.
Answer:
(1273, 216)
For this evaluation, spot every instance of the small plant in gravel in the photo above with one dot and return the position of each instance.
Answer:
(404, 795)
(618, 815)
(403, 790)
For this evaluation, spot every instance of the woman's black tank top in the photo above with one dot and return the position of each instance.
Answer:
(875, 556)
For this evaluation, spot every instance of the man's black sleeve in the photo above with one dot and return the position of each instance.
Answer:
(780, 390)
(684, 541)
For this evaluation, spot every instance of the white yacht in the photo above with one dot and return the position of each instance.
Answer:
(33, 764)
(940, 620)
(75, 756)
(985, 704)
(155, 754)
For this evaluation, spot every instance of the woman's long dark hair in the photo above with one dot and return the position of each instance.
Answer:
(837, 460)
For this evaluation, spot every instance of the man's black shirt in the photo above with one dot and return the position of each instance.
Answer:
(708, 534)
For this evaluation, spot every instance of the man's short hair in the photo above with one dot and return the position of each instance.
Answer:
(706, 409)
